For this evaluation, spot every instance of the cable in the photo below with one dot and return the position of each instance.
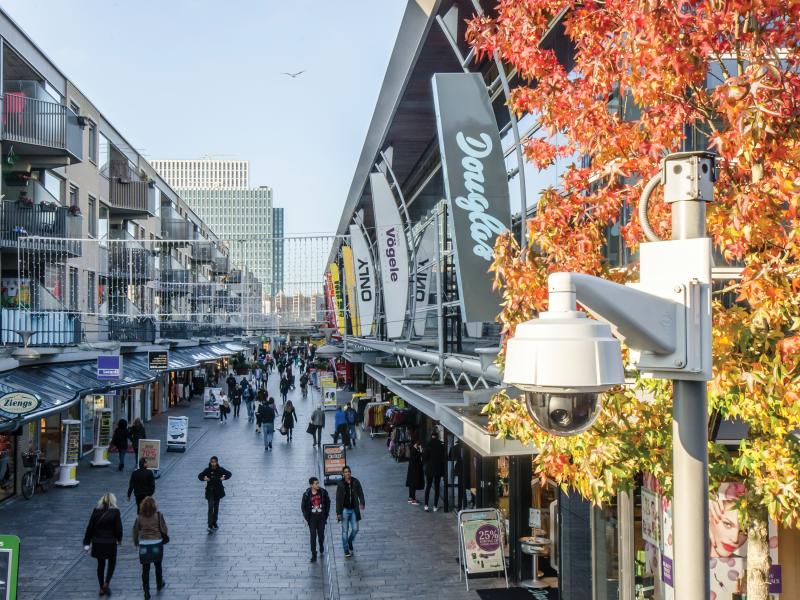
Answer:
(651, 235)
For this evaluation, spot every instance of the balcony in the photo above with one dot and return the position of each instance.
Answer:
(129, 260)
(130, 330)
(48, 328)
(178, 330)
(178, 232)
(57, 230)
(174, 278)
(45, 133)
(131, 199)
(202, 251)
(220, 264)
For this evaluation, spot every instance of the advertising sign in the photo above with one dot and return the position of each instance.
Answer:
(333, 461)
(211, 398)
(351, 306)
(393, 250)
(109, 368)
(327, 383)
(71, 442)
(9, 566)
(18, 403)
(104, 428)
(481, 542)
(365, 280)
(423, 272)
(338, 296)
(150, 450)
(177, 433)
(650, 517)
(158, 360)
(476, 185)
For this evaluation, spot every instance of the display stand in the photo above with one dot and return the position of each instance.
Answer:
(102, 437)
(534, 547)
(480, 542)
(177, 433)
(70, 453)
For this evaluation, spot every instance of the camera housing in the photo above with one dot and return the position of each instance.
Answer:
(563, 361)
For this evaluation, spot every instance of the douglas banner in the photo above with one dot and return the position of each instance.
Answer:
(476, 185)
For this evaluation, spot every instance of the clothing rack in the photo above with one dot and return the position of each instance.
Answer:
(375, 418)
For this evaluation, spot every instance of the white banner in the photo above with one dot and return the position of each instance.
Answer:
(365, 279)
(423, 275)
(393, 250)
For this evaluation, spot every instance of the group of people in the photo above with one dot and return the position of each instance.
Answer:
(123, 434)
(426, 469)
(345, 425)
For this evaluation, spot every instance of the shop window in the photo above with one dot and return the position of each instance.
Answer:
(605, 551)
(50, 437)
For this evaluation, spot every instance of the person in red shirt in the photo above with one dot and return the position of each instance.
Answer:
(316, 505)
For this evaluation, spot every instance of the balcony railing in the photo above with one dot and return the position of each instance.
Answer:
(56, 328)
(60, 231)
(132, 198)
(202, 251)
(220, 264)
(175, 331)
(39, 124)
(176, 230)
(129, 260)
(131, 330)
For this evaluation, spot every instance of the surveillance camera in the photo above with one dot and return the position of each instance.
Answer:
(563, 361)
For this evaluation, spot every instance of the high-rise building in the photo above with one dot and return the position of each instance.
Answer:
(277, 250)
(205, 173)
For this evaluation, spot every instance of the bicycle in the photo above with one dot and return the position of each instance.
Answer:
(39, 475)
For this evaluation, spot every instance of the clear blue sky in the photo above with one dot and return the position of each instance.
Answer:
(188, 78)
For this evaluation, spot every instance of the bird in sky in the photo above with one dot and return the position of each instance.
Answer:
(294, 75)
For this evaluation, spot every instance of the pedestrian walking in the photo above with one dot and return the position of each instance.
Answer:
(214, 475)
(350, 504)
(135, 433)
(265, 377)
(231, 381)
(433, 458)
(415, 476)
(340, 424)
(318, 421)
(288, 419)
(224, 407)
(351, 415)
(266, 415)
(316, 505)
(142, 484)
(249, 399)
(103, 535)
(150, 533)
(284, 388)
(120, 441)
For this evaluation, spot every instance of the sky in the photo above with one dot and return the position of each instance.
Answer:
(193, 78)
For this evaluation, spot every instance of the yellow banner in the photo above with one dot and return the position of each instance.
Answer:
(338, 296)
(350, 287)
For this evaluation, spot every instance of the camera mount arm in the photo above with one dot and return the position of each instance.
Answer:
(643, 321)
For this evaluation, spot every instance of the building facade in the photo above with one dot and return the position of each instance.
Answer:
(205, 173)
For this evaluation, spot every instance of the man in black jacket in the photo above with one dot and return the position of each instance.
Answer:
(433, 457)
(266, 416)
(142, 483)
(214, 475)
(316, 505)
(350, 503)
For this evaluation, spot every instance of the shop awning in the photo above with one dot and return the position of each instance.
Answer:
(236, 348)
(195, 354)
(220, 351)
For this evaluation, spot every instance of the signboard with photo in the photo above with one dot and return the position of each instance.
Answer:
(481, 542)
(177, 433)
(650, 517)
(333, 461)
(150, 450)
(9, 566)
(211, 397)
(104, 428)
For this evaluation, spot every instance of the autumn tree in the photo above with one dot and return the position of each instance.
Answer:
(651, 77)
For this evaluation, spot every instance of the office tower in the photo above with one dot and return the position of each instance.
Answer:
(205, 173)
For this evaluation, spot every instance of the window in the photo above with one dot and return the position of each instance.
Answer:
(102, 223)
(73, 195)
(74, 286)
(93, 142)
(103, 153)
(92, 210)
(90, 295)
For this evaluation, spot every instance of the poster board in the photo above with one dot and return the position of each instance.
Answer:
(150, 450)
(177, 433)
(334, 458)
(9, 566)
(71, 442)
(480, 544)
(327, 383)
(211, 403)
(104, 426)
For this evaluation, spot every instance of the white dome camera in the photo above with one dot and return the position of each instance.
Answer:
(563, 361)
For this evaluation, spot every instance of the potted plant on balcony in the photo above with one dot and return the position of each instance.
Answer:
(24, 201)
(48, 206)
(74, 211)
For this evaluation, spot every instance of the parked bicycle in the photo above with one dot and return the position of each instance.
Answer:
(40, 475)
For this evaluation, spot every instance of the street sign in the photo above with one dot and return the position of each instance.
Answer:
(109, 368)
(158, 360)
(333, 461)
(18, 403)
(9, 566)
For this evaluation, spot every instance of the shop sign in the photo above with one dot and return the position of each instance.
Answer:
(481, 541)
(104, 421)
(351, 306)
(666, 570)
(177, 432)
(650, 517)
(9, 566)
(158, 360)
(109, 368)
(211, 397)
(338, 296)
(18, 403)
(72, 442)
(423, 275)
(365, 280)
(476, 185)
(775, 579)
(150, 450)
(393, 250)
(333, 461)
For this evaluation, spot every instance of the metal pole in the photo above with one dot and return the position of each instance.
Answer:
(439, 312)
(690, 451)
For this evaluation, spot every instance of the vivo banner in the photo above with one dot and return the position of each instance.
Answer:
(393, 250)
(476, 185)
(423, 274)
(365, 279)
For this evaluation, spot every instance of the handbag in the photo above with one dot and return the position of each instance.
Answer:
(312, 429)
(283, 430)
(164, 536)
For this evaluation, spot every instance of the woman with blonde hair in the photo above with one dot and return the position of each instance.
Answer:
(149, 536)
(103, 535)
